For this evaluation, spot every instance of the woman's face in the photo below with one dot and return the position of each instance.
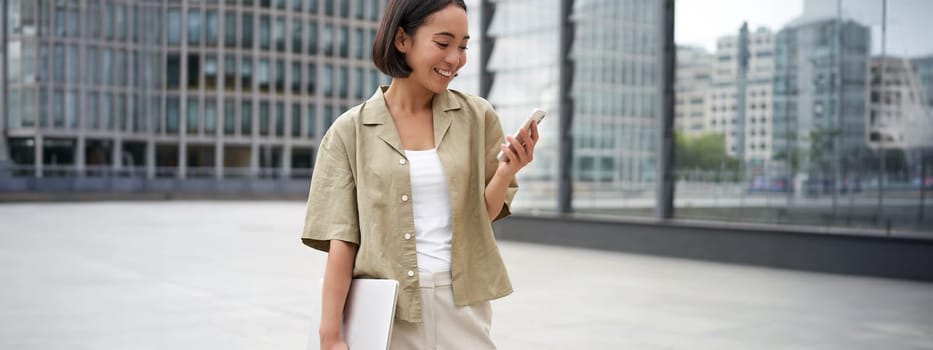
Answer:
(438, 49)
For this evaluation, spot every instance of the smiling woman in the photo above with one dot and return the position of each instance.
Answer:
(391, 172)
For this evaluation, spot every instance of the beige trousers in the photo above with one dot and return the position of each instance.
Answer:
(446, 326)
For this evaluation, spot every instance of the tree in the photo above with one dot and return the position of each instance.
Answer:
(703, 152)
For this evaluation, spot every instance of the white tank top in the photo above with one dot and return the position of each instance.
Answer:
(431, 207)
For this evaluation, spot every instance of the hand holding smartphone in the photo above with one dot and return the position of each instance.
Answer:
(536, 117)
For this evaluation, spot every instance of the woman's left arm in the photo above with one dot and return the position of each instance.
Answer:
(522, 155)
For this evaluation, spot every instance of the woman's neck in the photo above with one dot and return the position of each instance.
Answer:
(407, 97)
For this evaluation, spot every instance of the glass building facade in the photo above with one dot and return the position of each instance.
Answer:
(614, 53)
(199, 88)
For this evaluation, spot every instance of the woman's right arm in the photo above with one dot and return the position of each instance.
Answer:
(337, 275)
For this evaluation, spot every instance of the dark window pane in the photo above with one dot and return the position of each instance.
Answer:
(194, 27)
(246, 118)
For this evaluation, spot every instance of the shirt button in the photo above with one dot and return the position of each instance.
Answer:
(408, 236)
(401, 161)
(411, 273)
(404, 198)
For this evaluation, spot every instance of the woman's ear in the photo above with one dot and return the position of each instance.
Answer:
(402, 41)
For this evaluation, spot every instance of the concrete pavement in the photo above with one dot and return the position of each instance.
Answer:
(233, 275)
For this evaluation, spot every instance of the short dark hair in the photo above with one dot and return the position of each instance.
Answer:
(408, 15)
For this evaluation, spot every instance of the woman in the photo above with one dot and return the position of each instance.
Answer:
(407, 184)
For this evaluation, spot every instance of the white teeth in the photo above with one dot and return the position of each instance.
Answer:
(444, 72)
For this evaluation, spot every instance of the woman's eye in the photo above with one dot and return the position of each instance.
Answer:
(443, 45)
(463, 48)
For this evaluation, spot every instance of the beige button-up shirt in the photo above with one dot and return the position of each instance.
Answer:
(361, 193)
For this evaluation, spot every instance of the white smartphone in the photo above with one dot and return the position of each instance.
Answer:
(537, 116)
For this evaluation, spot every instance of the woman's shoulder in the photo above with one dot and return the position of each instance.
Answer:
(473, 101)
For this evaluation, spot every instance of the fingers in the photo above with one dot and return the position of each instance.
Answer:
(534, 132)
(518, 147)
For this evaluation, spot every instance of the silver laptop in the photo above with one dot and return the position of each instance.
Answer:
(367, 316)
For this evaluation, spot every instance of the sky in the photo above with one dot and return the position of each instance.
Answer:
(701, 22)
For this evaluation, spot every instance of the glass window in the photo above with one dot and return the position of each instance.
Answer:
(246, 72)
(296, 77)
(229, 72)
(28, 108)
(279, 4)
(229, 117)
(312, 6)
(140, 122)
(247, 31)
(359, 84)
(265, 33)
(14, 61)
(13, 108)
(230, 29)
(71, 109)
(108, 17)
(296, 120)
(118, 111)
(193, 121)
(328, 37)
(172, 70)
(210, 71)
(328, 80)
(329, 8)
(120, 21)
(213, 27)
(296, 36)
(360, 43)
(93, 19)
(73, 22)
(280, 118)
(210, 117)
(264, 118)
(92, 119)
(345, 9)
(60, 24)
(358, 9)
(312, 77)
(172, 114)
(328, 116)
(280, 76)
(374, 10)
(344, 82)
(107, 111)
(278, 33)
(312, 37)
(246, 118)
(311, 116)
(194, 70)
(93, 74)
(72, 71)
(119, 67)
(194, 27)
(60, 63)
(174, 26)
(344, 42)
(262, 74)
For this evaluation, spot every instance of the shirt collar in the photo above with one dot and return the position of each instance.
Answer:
(378, 113)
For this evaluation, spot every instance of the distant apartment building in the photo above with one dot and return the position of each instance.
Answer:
(751, 137)
(182, 89)
(691, 90)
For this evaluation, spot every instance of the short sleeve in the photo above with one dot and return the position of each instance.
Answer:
(332, 209)
(494, 138)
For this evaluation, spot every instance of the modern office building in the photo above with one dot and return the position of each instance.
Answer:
(181, 89)
(691, 90)
(820, 92)
(616, 65)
